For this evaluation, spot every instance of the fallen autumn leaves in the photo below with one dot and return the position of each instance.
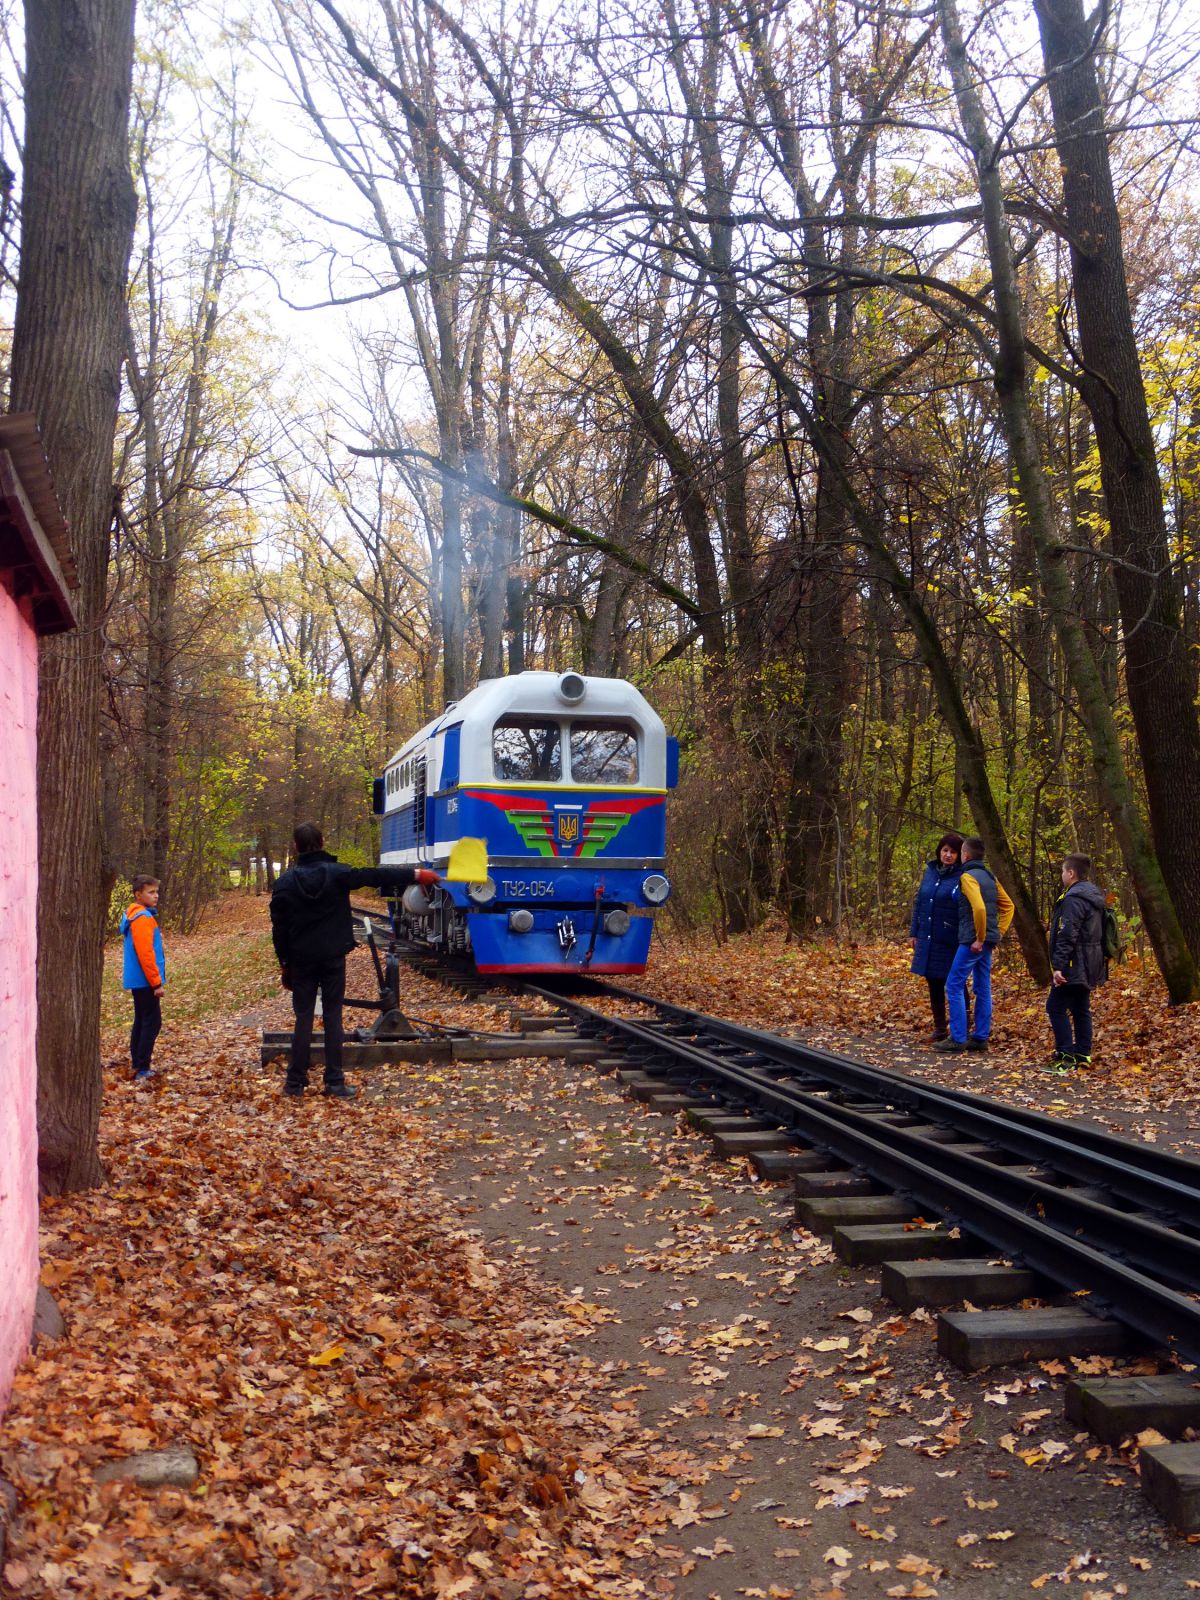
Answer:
(273, 1285)
(862, 998)
(377, 1406)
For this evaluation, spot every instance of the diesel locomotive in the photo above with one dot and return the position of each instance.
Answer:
(566, 778)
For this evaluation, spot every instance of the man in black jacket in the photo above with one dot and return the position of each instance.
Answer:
(313, 932)
(1079, 963)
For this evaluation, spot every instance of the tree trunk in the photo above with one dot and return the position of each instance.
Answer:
(970, 752)
(1158, 912)
(453, 614)
(78, 213)
(160, 710)
(1158, 676)
(813, 810)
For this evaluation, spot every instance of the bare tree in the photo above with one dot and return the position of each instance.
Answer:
(1011, 381)
(78, 214)
(1159, 675)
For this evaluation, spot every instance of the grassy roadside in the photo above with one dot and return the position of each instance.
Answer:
(225, 968)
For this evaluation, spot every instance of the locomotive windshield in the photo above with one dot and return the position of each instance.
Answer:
(526, 752)
(603, 752)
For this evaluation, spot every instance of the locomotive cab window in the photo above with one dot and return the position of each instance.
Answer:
(603, 752)
(526, 752)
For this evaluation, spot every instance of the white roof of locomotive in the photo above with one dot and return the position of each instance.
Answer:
(537, 694)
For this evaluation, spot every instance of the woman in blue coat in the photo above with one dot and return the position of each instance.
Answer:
(934, 928)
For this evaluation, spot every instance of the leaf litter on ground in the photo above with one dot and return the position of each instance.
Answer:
(376, 1405)
(276, 1285)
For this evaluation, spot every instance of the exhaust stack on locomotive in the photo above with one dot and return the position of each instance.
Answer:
(566, 778)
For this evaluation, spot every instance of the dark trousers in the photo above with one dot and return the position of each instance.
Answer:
(147, 1024)
(1069, 1007)
(937, 1004)
(330, 979)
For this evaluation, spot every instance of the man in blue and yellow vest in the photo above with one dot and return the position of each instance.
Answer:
(984, 915)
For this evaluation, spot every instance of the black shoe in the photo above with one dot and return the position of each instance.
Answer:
(976, 1044)
(294, 1088)
(949, 1046)
(340, 1091)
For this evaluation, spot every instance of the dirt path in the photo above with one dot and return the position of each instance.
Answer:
(495, 1332)
(842, 1456)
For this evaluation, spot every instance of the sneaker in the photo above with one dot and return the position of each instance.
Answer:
(976, 1044)
(340, 1091)
(1060, 1063)
(141, 1079)
(1082, 1061)
(950, 1046)
(294, 1088)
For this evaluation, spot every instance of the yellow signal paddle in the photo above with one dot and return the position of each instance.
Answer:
(468, 862)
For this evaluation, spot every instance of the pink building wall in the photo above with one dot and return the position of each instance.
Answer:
(18, 1009)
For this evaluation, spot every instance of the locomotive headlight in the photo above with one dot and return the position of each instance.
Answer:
(656, 888)
(482, 893)
(572, 688)
(521, 920)
(617, 922)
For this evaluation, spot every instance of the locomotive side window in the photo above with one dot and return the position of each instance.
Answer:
(526, 752)
(603, 752)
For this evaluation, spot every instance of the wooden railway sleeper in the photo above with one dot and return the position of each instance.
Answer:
(1060, 1235)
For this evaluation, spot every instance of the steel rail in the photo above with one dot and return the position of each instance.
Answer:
(1142, 1174)
(1082, 1260)
(1164, 1252)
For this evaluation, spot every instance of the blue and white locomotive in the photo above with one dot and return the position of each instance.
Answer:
(566, 778)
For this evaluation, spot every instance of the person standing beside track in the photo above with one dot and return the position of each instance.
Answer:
(313, 932)
(933, 930)
(145, 973)
(1079, 963)
(984, 915)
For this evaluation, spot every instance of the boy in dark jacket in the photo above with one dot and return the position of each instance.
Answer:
(1079, 963)
(313, 932)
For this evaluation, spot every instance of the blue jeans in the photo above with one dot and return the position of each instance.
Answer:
(977, 967)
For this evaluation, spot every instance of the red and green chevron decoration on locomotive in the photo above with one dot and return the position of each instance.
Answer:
(581, 828)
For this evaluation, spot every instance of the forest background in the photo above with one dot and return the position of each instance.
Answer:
(828, 369)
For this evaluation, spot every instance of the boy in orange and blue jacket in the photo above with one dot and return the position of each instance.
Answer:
(145, 972)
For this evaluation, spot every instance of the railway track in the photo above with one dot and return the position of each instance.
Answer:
(957, 1199)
